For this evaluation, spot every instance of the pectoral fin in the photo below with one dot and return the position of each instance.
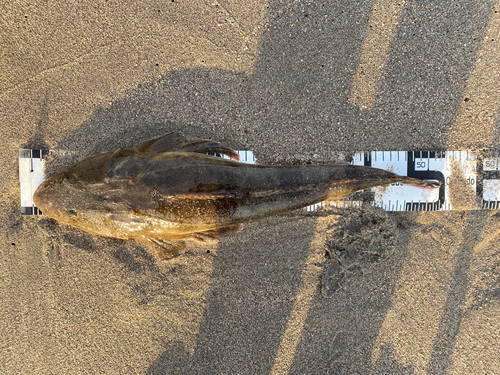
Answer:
(166, 249)
(163, 249)
(177, 142)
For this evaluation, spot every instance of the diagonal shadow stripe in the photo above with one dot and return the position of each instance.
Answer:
(453, 312)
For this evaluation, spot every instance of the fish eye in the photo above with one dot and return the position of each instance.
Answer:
(71, 213)
(69, 180)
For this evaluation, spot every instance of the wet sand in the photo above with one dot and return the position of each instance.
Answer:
(335, 292)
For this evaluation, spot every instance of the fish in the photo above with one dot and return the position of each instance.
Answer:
(170, 190)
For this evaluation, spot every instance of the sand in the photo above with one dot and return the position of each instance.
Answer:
(335, 292)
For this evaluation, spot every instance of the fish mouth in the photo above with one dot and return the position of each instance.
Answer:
(42, 198)
(50, 201)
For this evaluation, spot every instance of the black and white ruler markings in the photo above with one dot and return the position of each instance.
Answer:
(470, 179)
(30, 176)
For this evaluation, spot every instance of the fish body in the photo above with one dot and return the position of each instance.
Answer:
(168, 190)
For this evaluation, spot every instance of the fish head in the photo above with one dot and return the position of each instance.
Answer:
(55, 197)
(65, 196)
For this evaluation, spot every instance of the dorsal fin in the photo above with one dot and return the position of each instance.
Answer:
(170, 142)
(177, 142)
(207, 145)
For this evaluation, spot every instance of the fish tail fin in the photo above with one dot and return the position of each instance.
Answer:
(422, 184)
(383, 181)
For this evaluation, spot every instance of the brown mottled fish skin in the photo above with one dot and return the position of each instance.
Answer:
(167, 190)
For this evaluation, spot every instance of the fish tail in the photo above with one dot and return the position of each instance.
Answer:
(422, 184)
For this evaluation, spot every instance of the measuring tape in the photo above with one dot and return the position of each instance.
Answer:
(30, 177)
(470, 180)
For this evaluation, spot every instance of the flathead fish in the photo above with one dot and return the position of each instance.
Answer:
(169, 190)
